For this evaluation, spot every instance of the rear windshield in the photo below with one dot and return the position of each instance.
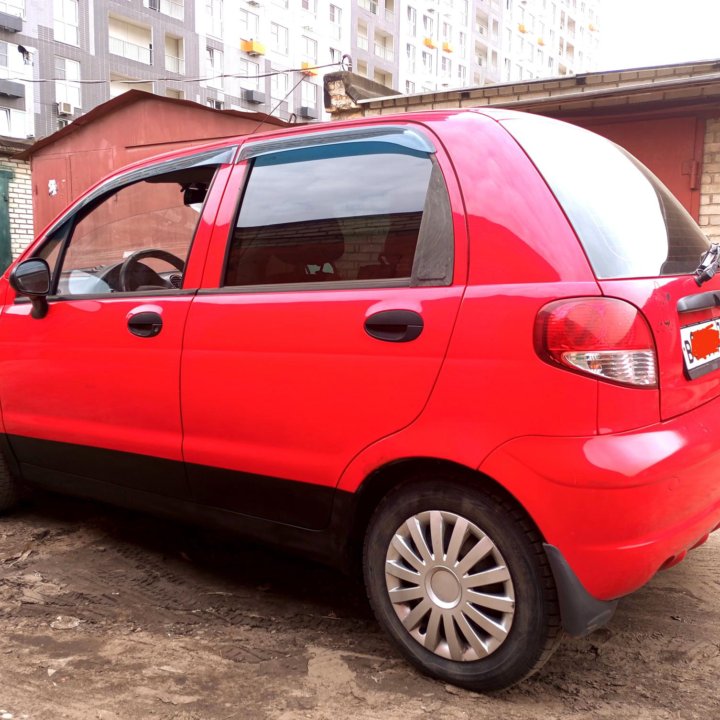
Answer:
(628, 222)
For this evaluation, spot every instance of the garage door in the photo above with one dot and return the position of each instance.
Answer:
(672, 148)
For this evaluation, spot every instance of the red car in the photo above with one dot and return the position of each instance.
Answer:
(475, 352)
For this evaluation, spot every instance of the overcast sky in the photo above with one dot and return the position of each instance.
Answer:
(635, 33)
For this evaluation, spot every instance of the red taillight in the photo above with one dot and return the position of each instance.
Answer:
(603, 337)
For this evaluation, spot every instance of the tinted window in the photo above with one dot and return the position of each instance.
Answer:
(628, 222)
(328, 213)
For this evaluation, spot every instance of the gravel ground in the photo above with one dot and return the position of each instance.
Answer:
(110, 615)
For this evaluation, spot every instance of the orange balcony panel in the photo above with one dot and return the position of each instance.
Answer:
(447, 47)
(252, 47)
(429, 42)
(308, 68)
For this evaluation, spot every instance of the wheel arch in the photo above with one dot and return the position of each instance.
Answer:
(406, 471)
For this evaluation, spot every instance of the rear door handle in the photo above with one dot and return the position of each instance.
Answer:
(145, 324)
(395, 325)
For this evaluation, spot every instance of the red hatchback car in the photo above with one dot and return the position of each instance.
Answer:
(475, 351)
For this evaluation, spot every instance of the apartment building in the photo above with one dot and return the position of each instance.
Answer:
(60, 58)
(426, 45)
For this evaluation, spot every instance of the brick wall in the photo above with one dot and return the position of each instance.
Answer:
(20, 201)
(710, 187)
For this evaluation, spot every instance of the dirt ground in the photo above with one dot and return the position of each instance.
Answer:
(109, 615)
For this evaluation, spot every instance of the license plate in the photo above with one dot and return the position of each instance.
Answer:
(701, 347)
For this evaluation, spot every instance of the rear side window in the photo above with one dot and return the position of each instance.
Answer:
(628, 222)
(338, 212)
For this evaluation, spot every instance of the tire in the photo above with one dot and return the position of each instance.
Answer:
(477, 642)
(9, 489)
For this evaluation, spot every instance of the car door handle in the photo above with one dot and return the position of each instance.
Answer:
(395, 325)
(145, 324)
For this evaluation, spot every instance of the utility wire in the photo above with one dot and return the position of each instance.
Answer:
(304, 70)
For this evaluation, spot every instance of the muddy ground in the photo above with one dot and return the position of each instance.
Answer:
(109, 615)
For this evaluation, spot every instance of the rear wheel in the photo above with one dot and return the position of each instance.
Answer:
(460, 581)
(9, 489)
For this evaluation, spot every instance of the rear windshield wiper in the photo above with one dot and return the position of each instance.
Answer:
(709, 264)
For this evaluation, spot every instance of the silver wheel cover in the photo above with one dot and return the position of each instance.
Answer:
(450, 586)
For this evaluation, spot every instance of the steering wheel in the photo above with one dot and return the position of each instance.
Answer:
(129, 266)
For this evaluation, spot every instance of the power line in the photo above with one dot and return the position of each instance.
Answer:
(304, 70)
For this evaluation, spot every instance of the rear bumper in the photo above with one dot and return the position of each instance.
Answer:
(619, 507)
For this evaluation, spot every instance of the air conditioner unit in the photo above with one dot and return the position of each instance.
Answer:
(65, 109)
(253, 3)
(154, 5)
(307, 112)
(253, 96)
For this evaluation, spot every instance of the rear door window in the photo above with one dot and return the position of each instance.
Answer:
(341, 212)
(628, 222)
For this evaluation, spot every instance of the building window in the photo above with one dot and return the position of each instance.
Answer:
(464, 12)
(175, 94)
(335, 55)
(3, 59)
(278, 87)
(249, 72)
(462, 74)
(174, 54)
(214, 14)
(384, 47)
(133, 42)
(214, 64)
(215, 104)
(412, 21)
(462, 42)
(428, 25)
(173, 8)
(309, 94)
(427, 61)
(249, 24)
(410, 53)
(446, 32)
(446, 67)
(409, 87)
(336, 22)
(362, 36)
(65, 21)
(309, 6)
(279, 38)
(13, 7)
(309, 49)
(67, 81)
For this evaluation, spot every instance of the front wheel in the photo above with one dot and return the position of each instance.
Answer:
(460, 581)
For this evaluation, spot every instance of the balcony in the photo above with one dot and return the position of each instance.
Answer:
(131, 51)
(370, 5)
(447, 47)
(362, 42)
(174, 64)
(429, 43)
(252, 47)
(384, 52)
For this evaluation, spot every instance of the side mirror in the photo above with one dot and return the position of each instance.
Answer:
(32, 279)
